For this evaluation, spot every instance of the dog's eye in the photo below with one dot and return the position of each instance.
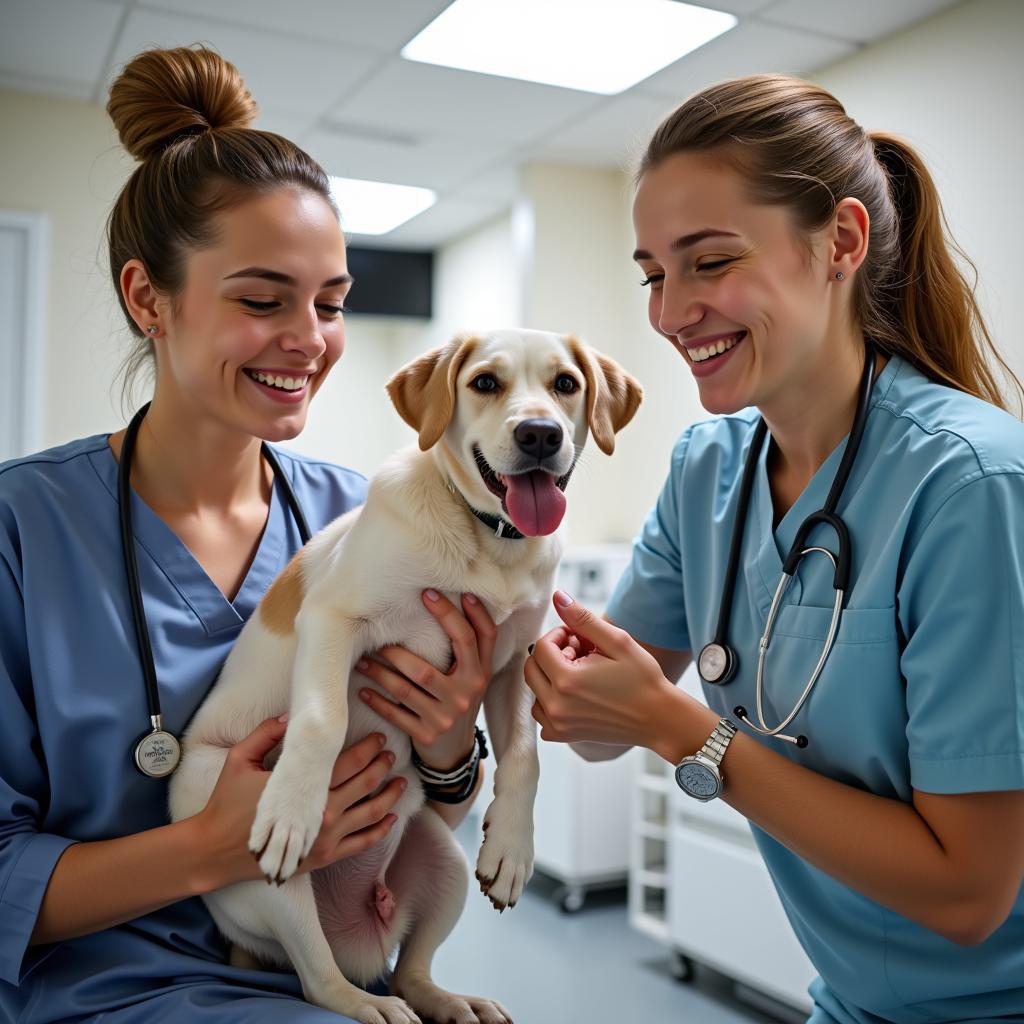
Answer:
(485, 383)
(566, 384)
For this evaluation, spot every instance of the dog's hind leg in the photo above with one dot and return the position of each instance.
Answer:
(288, 915)
(429, 876)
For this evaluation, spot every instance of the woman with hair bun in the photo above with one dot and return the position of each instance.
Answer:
(875, 737)
(228, 259)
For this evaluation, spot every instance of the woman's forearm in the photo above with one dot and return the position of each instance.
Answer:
(102, 884)
(880, 847)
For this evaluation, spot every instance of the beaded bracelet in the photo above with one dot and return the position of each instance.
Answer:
(436, 784)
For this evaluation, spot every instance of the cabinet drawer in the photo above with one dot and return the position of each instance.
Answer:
(724, 911)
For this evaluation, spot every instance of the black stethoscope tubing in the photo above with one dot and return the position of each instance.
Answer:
(124, 499)
(719, 647)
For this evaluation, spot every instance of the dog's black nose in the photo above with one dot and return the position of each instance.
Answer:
(538, 438)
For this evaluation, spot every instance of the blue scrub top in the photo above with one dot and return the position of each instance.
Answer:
(72, 707)
(924, 688)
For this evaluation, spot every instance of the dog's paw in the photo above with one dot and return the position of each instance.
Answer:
(287, 821)
(381, 1010)
(440, 1007)
(505, 862)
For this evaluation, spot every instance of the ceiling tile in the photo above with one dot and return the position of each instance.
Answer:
(497, 183)
(861, 22)
(63, 41)
(45, 86)
(406, 95)
(611, 136)
(751, 48)
(292, 124)
(292, 74)
(433, 162)
(443, 222)
(741, 7)
(382, 26)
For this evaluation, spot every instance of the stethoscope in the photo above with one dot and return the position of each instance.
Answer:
(718, 661)
(158, 752)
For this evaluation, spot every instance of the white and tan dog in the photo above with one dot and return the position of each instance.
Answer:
(502, 420)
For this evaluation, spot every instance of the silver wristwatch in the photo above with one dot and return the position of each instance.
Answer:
(698, 775)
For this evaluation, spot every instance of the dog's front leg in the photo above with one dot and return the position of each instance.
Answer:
(505, 862)
(291, 808)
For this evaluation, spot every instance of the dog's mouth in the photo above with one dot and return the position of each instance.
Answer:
(533, 500)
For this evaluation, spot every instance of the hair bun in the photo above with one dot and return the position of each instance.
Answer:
(162, 93)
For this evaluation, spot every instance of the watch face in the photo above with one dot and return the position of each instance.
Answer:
(698, 780)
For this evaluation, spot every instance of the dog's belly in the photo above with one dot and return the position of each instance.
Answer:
(368, 903)
(359, 913)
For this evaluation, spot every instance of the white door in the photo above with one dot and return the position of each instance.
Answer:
(23, 246)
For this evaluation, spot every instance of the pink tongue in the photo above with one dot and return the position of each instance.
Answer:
(535, 505)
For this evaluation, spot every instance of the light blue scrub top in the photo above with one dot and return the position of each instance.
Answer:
(924, 688)
(73, 705)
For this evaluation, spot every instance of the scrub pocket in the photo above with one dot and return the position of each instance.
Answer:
(855, 717)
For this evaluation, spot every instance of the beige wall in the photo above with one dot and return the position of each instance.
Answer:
(579, 277)
(61, 158)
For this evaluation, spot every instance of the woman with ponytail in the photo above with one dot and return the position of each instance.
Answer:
(799, 266)
(228, 259)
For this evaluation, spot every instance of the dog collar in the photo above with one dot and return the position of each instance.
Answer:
(501, 527)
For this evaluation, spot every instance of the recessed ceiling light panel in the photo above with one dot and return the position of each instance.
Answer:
(601, 46)
(376, 207)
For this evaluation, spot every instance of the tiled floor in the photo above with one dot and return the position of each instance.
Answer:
(586, 968)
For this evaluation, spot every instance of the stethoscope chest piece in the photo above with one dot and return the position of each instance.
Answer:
(717, 664)
(158, 752)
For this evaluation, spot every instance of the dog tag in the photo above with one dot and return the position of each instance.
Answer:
(157, 754)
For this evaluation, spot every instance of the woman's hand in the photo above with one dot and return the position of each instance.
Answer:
(353, 820)
(593, 681)
(437, 710)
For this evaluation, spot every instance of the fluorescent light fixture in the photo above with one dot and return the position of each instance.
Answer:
(602, 46)
(375, 207)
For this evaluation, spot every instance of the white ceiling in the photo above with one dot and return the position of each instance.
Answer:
(327, 73)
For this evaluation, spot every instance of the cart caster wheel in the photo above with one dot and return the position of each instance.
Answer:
(682, 967)
(570, 900)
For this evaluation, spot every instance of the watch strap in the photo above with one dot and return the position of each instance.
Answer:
(718, 742)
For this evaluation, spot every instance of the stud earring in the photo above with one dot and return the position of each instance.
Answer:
(840, 275)
(152, 329)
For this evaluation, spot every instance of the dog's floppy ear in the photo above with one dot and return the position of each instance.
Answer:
(613, 396)
(423, 391)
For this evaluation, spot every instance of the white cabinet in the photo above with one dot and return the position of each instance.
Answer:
(581, 834)
(699, 885)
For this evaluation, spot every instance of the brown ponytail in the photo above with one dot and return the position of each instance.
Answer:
(185, 113)
(930, 314)
(796, 146)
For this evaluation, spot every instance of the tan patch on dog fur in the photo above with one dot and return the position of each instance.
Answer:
(280, 604)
